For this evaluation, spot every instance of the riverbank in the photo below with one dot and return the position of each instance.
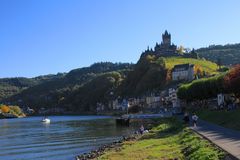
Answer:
(8, 116)
(169, 139)
(106, 148)
(148, 123)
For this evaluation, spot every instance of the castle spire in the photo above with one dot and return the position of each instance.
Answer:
(166, 32)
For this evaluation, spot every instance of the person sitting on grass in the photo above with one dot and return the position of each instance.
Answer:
(141, 129)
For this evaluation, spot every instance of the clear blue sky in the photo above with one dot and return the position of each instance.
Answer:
(40, 37)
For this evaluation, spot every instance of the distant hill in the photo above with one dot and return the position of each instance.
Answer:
(229, 54)
(12, 86)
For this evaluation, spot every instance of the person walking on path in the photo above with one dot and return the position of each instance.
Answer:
(194, 118)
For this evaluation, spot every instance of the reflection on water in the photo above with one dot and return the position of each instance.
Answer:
(62, 139)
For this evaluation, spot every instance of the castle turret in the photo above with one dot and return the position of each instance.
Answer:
(166, 38)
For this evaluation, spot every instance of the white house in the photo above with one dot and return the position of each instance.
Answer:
(118, 104)
(183, 72)
(173, 97)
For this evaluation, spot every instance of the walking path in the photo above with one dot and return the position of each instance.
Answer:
(227, 139)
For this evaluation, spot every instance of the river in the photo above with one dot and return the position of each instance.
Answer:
(63, 139)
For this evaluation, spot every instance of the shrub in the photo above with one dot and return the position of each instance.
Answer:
(232, 80)
(202, 89)
(16, 110)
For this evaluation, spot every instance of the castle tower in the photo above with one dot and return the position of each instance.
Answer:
(166, 38)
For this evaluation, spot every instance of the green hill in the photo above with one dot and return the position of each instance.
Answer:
(229, 54)
(85, 98)
(208, 66)
(152, 74)
(12, 86)
(79, 90)
(147, 76)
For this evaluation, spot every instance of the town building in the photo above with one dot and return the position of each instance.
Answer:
(183, 72)
(173, 97)
(118, 104)
(153, 101)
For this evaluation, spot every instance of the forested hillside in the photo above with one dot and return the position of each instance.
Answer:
(12, 86)
(99, 90)
(153, 74)
(56, 92)
(147, 76)
(81, 89)
(227, 54)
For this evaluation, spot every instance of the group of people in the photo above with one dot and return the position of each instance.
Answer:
(141, 130)
(187, 119)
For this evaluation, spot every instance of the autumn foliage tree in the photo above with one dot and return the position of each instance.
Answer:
(5, 109)
(232, 80)
(181, 50)
(198, 70)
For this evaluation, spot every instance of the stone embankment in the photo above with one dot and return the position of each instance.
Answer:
(100, 151)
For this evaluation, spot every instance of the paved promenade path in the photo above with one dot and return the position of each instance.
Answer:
(227, 139)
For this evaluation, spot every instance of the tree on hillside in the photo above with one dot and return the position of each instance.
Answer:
(16, 110)
(151, 58)
(198, 71)
(181, 50)
(219, 63)
(232, 80)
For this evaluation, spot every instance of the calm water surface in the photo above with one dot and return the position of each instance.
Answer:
(63, 139)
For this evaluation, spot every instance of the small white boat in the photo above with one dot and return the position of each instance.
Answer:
(46, 120)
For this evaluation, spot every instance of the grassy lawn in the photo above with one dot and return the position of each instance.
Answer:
(207, 66)
(228, 119)
(169, 140)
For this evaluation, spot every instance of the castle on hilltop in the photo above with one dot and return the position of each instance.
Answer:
(167, 49)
